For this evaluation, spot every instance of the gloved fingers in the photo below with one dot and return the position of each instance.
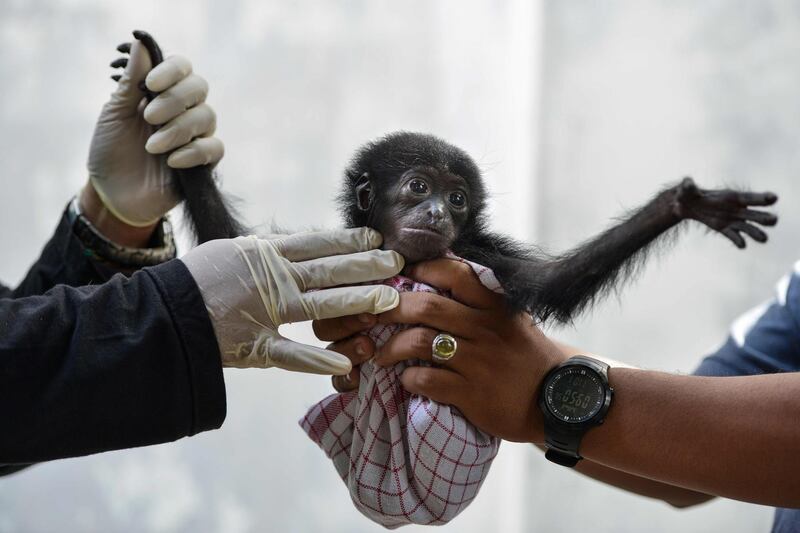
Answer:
(201, 151)
(343, 301)
(169, 72)
(187, 93)
(290, 355)
(373, 265)
(199, 121)
(314, 244)
(138, 64)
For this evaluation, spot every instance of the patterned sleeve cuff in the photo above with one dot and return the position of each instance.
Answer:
(100, 249)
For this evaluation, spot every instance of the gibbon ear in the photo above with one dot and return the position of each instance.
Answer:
(364, 193)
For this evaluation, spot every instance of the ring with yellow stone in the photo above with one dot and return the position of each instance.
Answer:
(444, 347)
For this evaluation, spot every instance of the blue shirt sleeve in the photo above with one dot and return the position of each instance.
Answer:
(764, 340)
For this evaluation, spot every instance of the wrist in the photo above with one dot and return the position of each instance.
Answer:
(159, 249)
(536, 430)
(574, 398)
(114, 229)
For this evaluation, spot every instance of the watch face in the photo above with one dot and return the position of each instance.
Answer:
(574, 394)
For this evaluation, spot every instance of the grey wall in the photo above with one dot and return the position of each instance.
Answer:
(580, 109)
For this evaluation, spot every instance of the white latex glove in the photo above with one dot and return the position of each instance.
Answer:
(126, 165)
(251, 286)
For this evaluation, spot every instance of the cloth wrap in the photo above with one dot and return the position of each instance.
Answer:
(405, 459)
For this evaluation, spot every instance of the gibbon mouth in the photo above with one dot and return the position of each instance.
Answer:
(425, 232)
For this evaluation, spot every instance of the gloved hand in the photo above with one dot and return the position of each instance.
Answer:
(126, 165)
(251, 286)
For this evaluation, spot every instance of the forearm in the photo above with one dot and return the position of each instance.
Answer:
(734, 437)
(671, 494)
(675, 496)
(127, 363)
(63, 261)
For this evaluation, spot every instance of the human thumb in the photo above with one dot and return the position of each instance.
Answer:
(128, 93)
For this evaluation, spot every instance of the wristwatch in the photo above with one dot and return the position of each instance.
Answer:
(575, 397)
(101, 249)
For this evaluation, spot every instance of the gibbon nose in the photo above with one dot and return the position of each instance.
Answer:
(436, 212)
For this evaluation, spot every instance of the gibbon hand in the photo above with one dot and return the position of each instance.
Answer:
(251, 286)
(128, 165)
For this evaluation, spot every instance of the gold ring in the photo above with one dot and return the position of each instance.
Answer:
(444, 347)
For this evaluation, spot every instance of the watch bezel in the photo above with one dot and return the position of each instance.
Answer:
(584, 423)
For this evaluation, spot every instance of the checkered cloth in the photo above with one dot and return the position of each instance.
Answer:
(405, 459)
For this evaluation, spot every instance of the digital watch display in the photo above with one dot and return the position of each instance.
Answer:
(575, 397)
(575, 394)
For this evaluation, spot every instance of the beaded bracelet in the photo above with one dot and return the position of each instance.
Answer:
(99, 248)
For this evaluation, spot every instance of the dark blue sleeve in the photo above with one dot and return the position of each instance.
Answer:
(130, 362)
(764, 340)
(62, 262)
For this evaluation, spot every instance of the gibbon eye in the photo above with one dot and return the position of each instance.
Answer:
(458, 199)
(418, 186)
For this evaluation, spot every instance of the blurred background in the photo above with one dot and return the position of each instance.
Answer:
(576, 111)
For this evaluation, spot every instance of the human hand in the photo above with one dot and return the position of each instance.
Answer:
(500, 362)
(126, 164)
(251, 286)
(347, 335)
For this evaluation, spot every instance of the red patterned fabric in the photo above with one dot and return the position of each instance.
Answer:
(405, 459)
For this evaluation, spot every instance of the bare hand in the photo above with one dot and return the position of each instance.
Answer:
(501, 358)
(347, 334)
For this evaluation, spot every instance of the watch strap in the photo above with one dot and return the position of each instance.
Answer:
(563, 441)
(560, 458)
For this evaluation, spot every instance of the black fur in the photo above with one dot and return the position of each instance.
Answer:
(209, 214)
(546, 286)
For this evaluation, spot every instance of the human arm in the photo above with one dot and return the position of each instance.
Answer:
(86, 369)
(126, 363)
(763, 340)
(677, 430)
(345, 334)
(676, 496)
(127, 162)
(63, 261)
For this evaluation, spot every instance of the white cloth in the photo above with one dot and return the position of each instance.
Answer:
(404, 458)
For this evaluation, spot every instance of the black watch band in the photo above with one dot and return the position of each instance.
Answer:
(563, 437)
(101, 249)
(562, 446)
(561, 458)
